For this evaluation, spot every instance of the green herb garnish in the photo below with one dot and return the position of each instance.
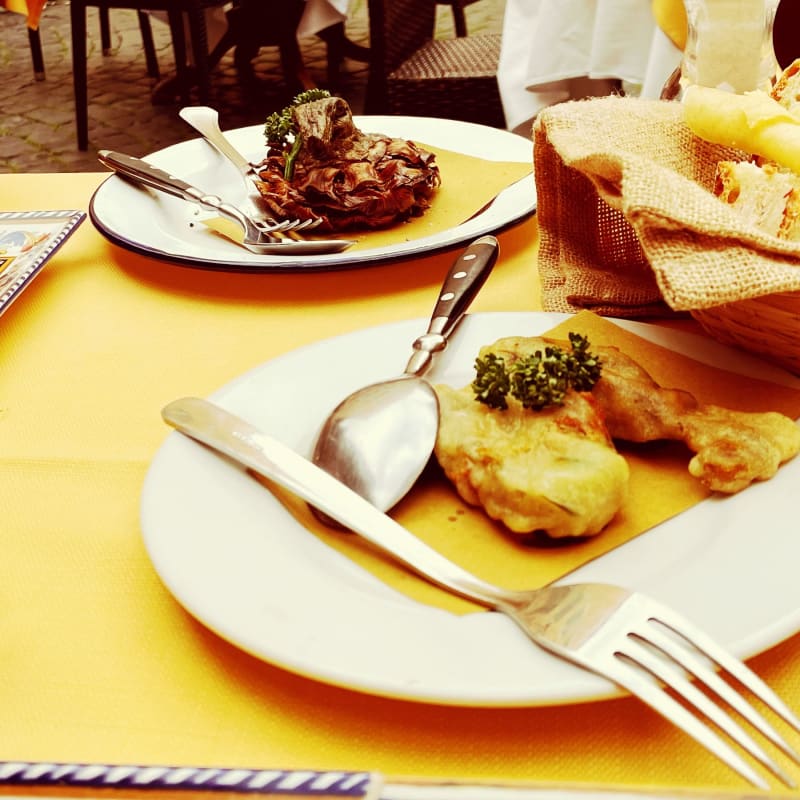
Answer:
(281, 131)
(538, 380)
(491, 384)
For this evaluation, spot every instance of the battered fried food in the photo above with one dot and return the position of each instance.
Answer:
(732, 448)
(554, 470)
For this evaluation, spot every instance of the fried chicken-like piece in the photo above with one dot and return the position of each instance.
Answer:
(554, 470)
(735, 448)
(732, 448)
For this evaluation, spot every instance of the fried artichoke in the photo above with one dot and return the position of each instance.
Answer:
(352, 180)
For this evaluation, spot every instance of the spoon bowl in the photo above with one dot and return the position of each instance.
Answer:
(370, 417)
(379, 439)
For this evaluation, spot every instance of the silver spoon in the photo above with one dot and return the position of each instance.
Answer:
(378, 440)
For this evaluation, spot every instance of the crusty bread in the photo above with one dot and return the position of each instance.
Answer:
(767, 196)
(787, 88)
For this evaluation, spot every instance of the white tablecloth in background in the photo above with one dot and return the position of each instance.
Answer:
(318, 14)
(554, 50)
(321, 14)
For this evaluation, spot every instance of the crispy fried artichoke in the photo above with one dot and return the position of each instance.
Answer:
(352, 180)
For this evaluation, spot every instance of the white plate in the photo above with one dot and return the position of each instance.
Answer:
(236, 560)
(160, 225)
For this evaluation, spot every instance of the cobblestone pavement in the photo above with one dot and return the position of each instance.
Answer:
(37, 118)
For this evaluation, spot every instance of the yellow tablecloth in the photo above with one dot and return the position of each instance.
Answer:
(98, 663)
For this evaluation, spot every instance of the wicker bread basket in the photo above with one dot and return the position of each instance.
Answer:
(768, 326)
(630, 227)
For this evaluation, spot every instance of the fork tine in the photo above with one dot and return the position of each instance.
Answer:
(721, 688)
(312, 223)
(287, 225)
(705, 644)
(639, 654)
(654, 696)
(272, 227)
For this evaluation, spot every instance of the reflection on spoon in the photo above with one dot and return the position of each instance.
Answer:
(378, 440)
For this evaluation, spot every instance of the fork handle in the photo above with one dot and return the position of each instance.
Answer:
(241, 441)
(149, 175)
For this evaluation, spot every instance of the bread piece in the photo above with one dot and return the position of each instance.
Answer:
(787, 93)
(766, 189)
(787, 88)
(766, 196)
(753, 122)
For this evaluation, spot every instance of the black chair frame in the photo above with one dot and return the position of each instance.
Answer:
(186, 76)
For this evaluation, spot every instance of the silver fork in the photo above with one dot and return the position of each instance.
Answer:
(205, 120)
(624, 636)
(258, 236)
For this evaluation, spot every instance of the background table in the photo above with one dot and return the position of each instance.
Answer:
(555, 50)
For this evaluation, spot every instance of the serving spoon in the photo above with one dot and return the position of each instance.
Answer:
(378, 440)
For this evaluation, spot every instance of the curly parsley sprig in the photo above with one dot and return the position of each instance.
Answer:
(281, 131)
(538, 380)
(492, 383)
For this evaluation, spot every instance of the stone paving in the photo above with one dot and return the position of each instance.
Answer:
(37, 118)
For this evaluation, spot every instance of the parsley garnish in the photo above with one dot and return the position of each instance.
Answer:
(538, 380)
(281, 131)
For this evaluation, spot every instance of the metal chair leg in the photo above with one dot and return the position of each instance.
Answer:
(175, 18)
(35, 42)
(460, 20)
(199, 44)
(147, 43)
(105, 30)
(77, 14)
(340, 47)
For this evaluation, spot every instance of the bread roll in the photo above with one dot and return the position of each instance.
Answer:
(787, 89)
(766, 190)
(766, 196)
(754, 122)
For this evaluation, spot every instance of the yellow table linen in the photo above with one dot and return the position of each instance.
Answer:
(98, 663)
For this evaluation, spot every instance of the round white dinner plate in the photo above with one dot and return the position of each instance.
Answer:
(234, 557)
(166, 227)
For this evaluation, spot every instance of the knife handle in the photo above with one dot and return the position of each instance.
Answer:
(145, 173)
(462, 283)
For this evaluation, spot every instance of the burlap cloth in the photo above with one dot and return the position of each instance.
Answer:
(628, 222)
